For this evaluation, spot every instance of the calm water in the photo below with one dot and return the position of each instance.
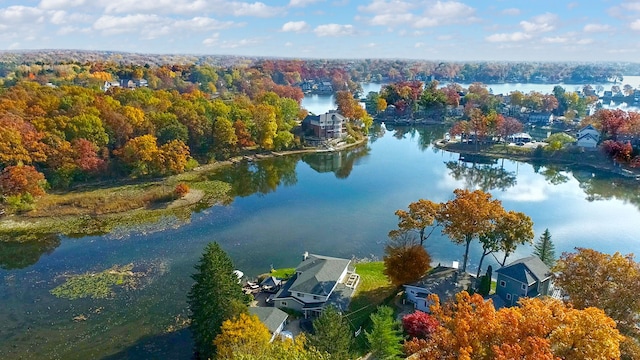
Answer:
(338, 204)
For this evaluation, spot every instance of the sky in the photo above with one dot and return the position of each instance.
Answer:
(521, 30)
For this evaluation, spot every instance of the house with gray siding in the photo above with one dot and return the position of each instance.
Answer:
(319, 281)
(526, 277)
(274, 319)
(443, 281)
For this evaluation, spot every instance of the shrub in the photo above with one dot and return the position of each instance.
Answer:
(181, 190)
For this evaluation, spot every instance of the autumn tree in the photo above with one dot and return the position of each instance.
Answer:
(511, 229)
(469, 215)
(385, 336)
(420, 216)
(20, 180)
(471, 328)
(405, 261)
(609, 282)
(544, 249)
(419, 324)
(244, 335)
(332, 334)
(215, 296)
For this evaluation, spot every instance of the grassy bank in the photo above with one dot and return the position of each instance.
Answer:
(374, 290)
(101, 210)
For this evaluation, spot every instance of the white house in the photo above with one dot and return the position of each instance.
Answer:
(588, 138)
(589, 130)
(319, 281)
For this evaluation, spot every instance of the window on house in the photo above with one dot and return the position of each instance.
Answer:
(316, 297)
(503, 283)
(300, 295)
(508, 296)
(524, 287)
(284, 303)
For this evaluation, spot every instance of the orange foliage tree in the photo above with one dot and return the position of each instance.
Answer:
(471, 328)
(20, 180)
(469, 215)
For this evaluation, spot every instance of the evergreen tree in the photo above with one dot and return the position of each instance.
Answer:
(385, 337)
(544, 249)
(215, 296)
(332, 334)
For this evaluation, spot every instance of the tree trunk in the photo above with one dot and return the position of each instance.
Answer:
(466, 254)
(484, 253)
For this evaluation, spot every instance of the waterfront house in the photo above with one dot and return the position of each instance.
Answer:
(330, 125)
(588, 138)
(273, 318)
(589, 130)
(443, 281)
(271, 284)
(587, 142)
(519, 138)
(319, 281)
(526, 277)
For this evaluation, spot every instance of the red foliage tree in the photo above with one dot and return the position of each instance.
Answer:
(419, 324)
(19, 180)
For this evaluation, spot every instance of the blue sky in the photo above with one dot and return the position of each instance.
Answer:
(435, 30)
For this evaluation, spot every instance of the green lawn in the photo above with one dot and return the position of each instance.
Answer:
(374, 290)
(284, 273)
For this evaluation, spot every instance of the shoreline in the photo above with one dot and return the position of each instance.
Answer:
(560, 159)
(75, 220)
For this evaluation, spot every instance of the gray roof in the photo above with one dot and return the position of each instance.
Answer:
(318, 274)
(445, 282)
(271, 281)
(270, 316)
(526, 270)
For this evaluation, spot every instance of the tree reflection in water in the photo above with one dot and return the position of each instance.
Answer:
(14, 255)
(340, 163)
(487, 177)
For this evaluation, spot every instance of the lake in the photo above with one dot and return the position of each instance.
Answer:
(337, 204)
(319, 104)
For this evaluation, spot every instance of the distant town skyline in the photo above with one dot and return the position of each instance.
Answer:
(525, 30)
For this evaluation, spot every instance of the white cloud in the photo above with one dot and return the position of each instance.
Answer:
(60, 4)
(387, 7)
(450, 9)
(391, 19)
(555, 40)
(295, 26)
(200, 23)
(288, 44)
(511, 12)
(110, 25)
(211, 40)
(596, 28)
(541, 23)
(20, 15)
(512, 37)
(61, 17)
(370, 45)
(635, 25)
(156, 6)
(584, 41)
(334, 30)
(256, 9)
(419, 45)
(633, 6)
(301, 3)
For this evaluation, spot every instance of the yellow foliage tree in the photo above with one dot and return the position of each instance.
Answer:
(243, 336)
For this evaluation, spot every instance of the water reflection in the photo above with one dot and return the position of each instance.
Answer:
(14, 255)
(599, 187)
(476, 174)
(262, 177)
(340, 163)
